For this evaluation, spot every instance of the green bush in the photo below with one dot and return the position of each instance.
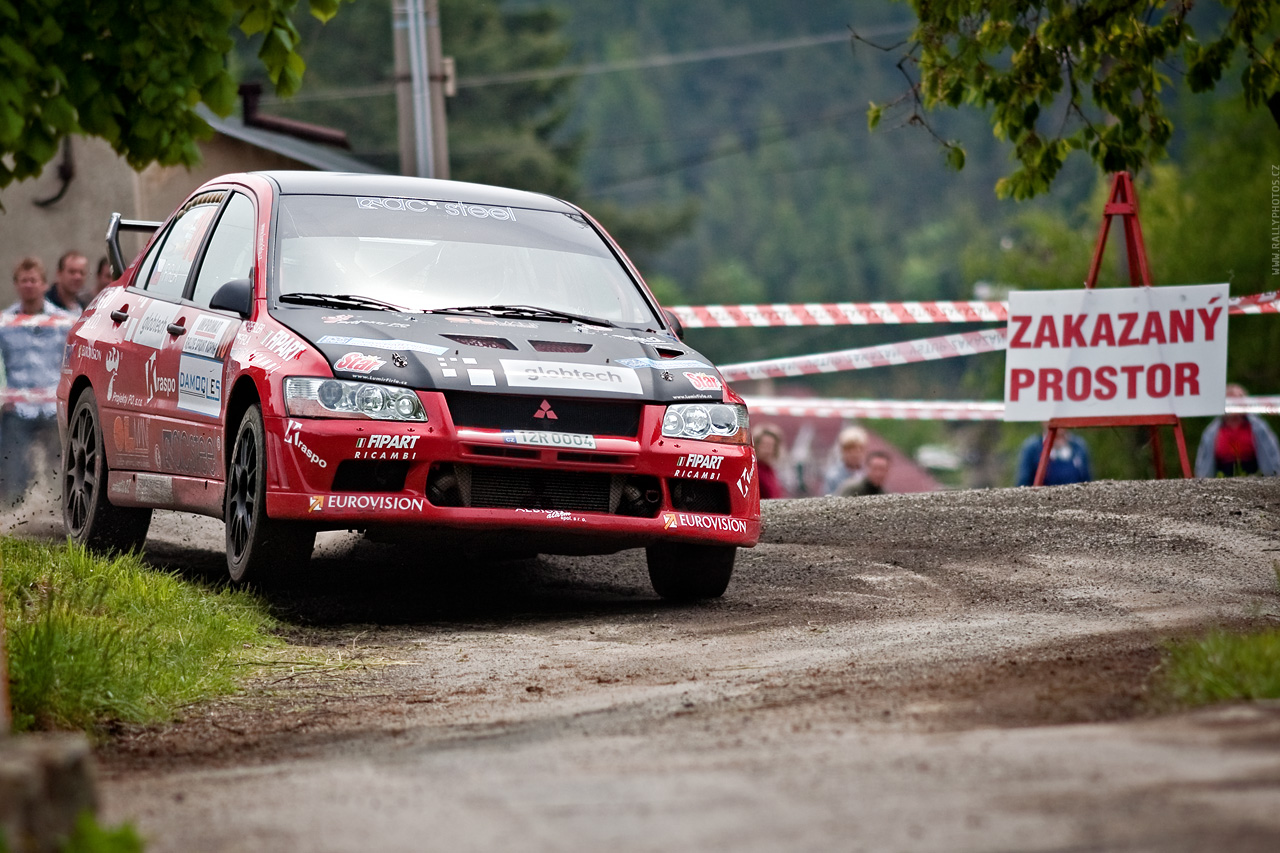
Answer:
(1224, 666)
(93, 640)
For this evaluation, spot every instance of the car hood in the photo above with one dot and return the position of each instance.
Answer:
(503, 355)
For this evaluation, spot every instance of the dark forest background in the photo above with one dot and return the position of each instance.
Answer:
(736, 167)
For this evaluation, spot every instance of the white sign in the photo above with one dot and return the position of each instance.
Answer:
(1120, 351)
(564, 374)
(200, 385)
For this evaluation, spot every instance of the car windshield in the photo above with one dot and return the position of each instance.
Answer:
(427, 254)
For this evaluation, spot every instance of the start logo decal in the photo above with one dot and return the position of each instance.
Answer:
(704, 381)
(720, 523)
(538, 438)
(381, 446)
(358, 362)
(564, 374)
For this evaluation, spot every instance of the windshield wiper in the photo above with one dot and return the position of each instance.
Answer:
(530, 311)
(340, 299)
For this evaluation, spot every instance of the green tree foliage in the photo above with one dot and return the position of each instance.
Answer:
(131, 72)
(1082, 75)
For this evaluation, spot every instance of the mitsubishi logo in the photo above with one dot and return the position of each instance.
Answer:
(544, 411)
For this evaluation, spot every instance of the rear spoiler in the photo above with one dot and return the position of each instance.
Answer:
(114, 227)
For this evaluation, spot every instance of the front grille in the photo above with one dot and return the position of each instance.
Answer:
(493, 487)
(699, 496)
(370, 475)
(500, 411)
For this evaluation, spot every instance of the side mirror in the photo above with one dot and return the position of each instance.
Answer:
(234, 296)
(674, 322)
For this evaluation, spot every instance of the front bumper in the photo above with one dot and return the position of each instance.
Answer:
(560, 491)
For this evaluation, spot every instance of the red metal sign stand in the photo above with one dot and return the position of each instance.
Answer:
(1122, 202)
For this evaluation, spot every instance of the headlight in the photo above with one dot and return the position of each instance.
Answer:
(707, 422)
(313, 397)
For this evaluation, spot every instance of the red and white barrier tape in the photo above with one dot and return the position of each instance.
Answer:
(28, 395)
(903, 352)
(932, 410)
(36, 321)
(879, 313)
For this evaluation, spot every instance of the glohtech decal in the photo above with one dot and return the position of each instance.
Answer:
(206, 335)
(293, 436)
(704, 381)
(384, 502)
(382, 446)
(358, 362)
(152, 330)
(697, 466)
(563, 374)
(284, 345)
(374, 343)
(188, 452)
(200, 385)
(660, 363)
(722, 523)
(538, 438)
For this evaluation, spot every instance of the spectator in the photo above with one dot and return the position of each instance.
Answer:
(73, 269)
(852, 445)
(1237, 443)
(1068, 460)
(872, 481)
(767, 439)
(32, 353)
(104, 277)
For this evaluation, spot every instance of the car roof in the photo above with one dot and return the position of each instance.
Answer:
(399, 186)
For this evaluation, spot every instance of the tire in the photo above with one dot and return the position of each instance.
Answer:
(259, 550)
(681, 571)
(89, 518)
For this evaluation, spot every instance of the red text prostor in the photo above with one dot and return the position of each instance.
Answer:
(1131, 381)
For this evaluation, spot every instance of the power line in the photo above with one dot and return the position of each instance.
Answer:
(660, 61)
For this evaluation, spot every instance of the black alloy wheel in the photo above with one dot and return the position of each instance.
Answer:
(89, 518)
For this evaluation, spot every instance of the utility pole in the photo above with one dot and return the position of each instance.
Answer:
(423, 78)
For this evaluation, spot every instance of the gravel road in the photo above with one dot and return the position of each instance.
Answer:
(950, 671)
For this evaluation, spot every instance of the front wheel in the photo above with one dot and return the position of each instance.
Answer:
(682, 571)
(259, 549)
(89, 518)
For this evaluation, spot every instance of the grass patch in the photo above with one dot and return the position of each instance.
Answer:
(1224, 666)
(94, 640)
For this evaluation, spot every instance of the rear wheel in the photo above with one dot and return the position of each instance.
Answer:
(89, 518)
(682, 571)
(259, 549)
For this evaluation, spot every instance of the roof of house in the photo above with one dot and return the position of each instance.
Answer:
(310, 154)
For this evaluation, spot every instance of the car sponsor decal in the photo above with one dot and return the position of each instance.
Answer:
(88, 352)
(697, 466)
(152, 330)
(386, 446)
(451, 208)
(200, 385)
(553, 514)
(374, 343)
(660, 363)
(744, 481)
(205, 336)
(284, 345)
(293, 436)
(320, 503)
(156, 384)
(352, 320)
(481, 376)
(564, 374)
(188, 452)
(539, 438)
(721, 523)
(112, 364)
(131, 439)
(153, 488)
(358, 362)
(491, 321)
(704, 381)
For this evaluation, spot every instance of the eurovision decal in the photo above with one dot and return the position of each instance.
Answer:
(1116, 352)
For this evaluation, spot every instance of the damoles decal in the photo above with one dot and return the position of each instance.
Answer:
(200, 385)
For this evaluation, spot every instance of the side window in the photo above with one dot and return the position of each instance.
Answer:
(168, 277)
(230, 252)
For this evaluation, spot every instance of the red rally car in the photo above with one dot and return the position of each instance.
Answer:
(301, 351)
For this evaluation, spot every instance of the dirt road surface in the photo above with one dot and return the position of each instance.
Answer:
(950, 672)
